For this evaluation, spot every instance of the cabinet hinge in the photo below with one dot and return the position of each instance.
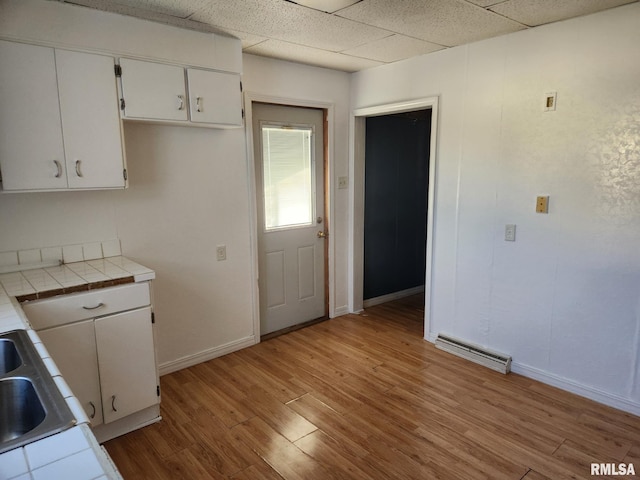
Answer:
(122, 104)
(153, 317)
(158, 390)
(118, 70)
(124, 174)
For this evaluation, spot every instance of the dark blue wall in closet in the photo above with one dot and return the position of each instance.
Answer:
(396, 193)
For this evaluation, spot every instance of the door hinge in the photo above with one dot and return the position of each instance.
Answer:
(158, 390)
(122, 104)
(118, 70)
(124, 174)
(153, 317)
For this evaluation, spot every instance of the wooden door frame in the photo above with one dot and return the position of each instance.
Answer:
(329, 186)
(356, 204)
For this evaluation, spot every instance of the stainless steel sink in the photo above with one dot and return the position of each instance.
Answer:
(9, 357)
(31, 406)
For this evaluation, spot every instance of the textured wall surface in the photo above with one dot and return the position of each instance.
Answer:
(564, 298)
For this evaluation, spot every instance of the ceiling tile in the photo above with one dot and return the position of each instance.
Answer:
(327, 5)
(310, 56)
(539, 12)
(288, 22)
(446, 22)
(485, 3)
(115, 7)
(393, 48)
(176, 8)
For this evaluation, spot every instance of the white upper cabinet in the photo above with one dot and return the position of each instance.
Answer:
(214, 97)
(59, 121)
(153, 91)
(90, 120)
(31, 148)
(158, 92)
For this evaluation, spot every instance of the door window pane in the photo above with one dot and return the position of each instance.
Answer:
(287, 176)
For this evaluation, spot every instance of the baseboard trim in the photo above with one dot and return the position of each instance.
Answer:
(591, 393)
(196, 358)
(344, 310)
(371, 302)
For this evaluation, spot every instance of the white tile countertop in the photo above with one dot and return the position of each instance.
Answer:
(73, 454)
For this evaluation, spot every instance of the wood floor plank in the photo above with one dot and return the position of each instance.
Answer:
(366, 397)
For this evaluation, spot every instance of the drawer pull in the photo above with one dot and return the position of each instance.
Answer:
(113, 403)
(94, 308)
(93, 415)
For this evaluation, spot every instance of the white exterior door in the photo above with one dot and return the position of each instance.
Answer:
(289, 154)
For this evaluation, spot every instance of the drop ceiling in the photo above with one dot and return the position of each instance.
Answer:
(352, 35)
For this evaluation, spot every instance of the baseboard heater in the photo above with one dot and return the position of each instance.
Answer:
(493, 360)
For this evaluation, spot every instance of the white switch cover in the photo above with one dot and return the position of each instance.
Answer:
(343, 182)
(510, 233)
(221, 252)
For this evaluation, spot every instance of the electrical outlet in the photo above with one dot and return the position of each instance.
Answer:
(343, 182)
(510, 233)
(542, 204)
(221, 253)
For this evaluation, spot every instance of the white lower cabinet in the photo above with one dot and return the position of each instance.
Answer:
(78, 365)
(126, 363)
(108, 360)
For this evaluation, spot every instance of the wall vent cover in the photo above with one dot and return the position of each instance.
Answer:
(490, 359)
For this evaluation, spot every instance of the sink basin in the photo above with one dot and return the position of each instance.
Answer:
(31, 406)
(20, 408)
(9, 357)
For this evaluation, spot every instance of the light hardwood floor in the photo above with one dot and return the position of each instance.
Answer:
(365, 397)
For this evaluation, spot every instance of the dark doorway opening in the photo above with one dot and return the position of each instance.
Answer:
(396, 187)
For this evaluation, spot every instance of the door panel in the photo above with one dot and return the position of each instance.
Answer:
(289, 156)
(73, 348)
(31, 149)
(90, 120)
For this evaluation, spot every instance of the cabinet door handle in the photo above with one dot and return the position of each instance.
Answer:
(113, 403)
(93, 414)
(58, 168)
(94, 308)
(180, 102)
(78, 171)
(199, 104)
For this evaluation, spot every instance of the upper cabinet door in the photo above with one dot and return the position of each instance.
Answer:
(214, 97)
(31, 149)
(90, 120)
(153, 90)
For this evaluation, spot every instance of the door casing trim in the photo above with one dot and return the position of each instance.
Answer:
(356, 199)
(329, 109)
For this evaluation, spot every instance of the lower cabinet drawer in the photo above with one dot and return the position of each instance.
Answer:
(70, 308)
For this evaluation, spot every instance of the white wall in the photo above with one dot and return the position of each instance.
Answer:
(564, 299)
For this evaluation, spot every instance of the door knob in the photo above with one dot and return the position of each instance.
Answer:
(322, 234)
